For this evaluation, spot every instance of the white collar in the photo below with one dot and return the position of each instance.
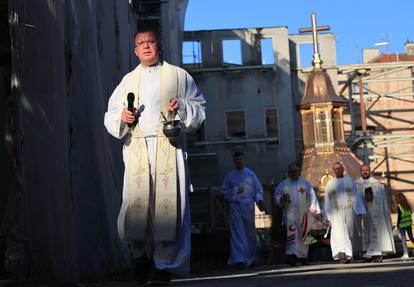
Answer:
(151, 69)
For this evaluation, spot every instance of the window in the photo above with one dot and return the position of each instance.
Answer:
(192, 52)
(305, 55)
(323, 127)
(232, 52)
(272, 128)
(309, 135)
(236, 124)
(336, 126)
(266, 47)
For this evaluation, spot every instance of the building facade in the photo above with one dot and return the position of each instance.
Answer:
(251, 98)
(385, 84)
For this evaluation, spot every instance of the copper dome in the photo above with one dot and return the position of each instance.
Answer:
(319, 89)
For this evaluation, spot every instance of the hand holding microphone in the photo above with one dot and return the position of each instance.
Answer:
(128, 115)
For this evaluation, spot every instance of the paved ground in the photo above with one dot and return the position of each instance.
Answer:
(392, 272)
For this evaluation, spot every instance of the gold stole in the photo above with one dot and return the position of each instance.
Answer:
(304, 225)
(165, 182)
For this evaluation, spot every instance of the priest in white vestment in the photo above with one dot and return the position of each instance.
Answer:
(377, 229)
(299, 202)
(241, 188)
(155, 217)
(342, 206)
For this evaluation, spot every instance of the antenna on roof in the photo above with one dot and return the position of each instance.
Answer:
(384, 41)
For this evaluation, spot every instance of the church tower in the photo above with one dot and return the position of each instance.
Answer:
(322, 121)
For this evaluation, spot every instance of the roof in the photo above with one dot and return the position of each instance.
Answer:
(319, 89)
(387, 58)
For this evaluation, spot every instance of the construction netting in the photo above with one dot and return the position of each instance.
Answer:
(67, 57)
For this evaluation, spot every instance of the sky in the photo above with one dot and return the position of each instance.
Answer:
(356, 24)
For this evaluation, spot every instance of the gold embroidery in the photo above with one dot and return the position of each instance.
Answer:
(137, 204)
(166, 206)
(334, 197)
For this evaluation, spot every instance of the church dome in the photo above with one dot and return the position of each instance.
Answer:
(319, 89)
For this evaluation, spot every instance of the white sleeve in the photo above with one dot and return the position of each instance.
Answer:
(278, 193)
(230, 190)
(258, 189)
(386, 209)
(360, 189)
(358, 205)
(112, 118)
(192, 103)
(313, 200)
(328, 203)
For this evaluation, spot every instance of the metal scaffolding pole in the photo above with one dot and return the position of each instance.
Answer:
(363, 117)
(351, 106)
(361, 76)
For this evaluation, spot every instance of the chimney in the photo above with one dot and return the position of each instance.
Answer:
(409, 48)
(369, 54)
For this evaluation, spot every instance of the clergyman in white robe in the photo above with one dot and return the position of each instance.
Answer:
(242, 214)
(297, 213)
(342, 205)
(377, 231)
(173, 256)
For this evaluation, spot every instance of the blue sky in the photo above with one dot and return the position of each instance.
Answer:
(356, 24)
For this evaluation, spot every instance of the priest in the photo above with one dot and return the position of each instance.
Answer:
(377, 232)
(299, 202)
(342, 207)
(154, 218)
(242, 189)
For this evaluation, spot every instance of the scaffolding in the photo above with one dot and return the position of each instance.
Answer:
(381, 103)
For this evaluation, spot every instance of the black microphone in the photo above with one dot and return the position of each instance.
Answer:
(131, 99)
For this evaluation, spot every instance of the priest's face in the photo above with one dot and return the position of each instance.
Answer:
(293, 172)
(239, 162)
(338, 170)
(365, 172)
(146, 48)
